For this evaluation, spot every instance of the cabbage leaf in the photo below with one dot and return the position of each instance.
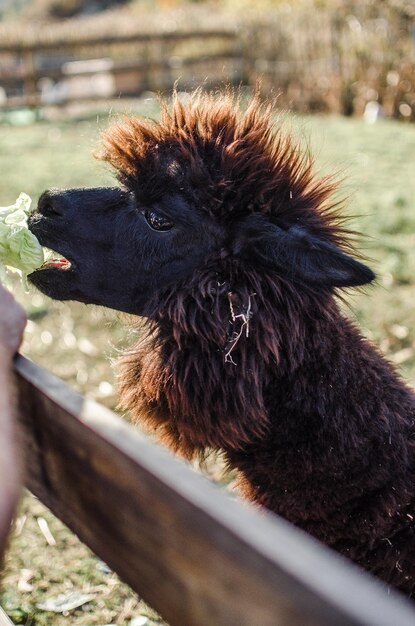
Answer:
(19, 248)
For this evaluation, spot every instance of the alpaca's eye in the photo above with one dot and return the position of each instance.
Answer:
(157, 221)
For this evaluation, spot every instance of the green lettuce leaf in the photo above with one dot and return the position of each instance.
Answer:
(19, 248)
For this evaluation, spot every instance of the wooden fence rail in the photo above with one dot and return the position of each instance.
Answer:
(57, 43)
(195, 554)
(131, 63)
(340, 59)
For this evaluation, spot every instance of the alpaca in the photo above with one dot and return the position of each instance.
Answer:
(225, 241)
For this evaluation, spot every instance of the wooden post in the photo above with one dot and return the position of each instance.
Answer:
(30, 77)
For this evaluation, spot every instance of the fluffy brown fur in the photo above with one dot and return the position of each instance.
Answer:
(249, 353)
(235, 163)
(318, 424)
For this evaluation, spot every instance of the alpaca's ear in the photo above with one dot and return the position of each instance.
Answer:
(300, 255)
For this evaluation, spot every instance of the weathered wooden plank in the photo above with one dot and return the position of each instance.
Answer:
(76, 40)
(57, 73)
(196, 555)
(36, 101)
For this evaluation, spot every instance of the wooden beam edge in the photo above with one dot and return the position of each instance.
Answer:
(315, 568)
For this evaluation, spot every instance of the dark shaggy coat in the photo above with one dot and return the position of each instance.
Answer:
(250, 353)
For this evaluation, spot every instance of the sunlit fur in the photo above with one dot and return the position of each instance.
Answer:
(237, 163)
(316, 421)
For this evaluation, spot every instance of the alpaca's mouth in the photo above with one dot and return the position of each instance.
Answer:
(57, 261)
(54, 259)
(57, 278)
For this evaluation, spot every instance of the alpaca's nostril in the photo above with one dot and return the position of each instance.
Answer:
(49, 205)
(50, 209)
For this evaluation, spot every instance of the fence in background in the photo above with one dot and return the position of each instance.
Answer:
(342, 57)
(58, 71)
(192, 552)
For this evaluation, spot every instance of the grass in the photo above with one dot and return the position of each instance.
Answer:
(76, 342)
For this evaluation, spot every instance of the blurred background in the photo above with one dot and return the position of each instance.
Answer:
(344, 74)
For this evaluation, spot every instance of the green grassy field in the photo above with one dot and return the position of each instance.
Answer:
(77, 342)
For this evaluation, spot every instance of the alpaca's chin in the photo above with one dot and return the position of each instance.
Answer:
(69, 284)
(59, 284)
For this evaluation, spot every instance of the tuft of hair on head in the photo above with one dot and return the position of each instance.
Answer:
(238, 160)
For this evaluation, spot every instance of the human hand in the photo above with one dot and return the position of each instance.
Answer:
(12, 322)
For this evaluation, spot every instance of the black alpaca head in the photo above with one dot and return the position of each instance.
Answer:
(207, 187)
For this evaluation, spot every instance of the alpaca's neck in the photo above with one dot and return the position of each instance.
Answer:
(303, 400)
(339, 440)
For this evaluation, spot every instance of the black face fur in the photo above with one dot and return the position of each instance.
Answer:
(203, 188)
(120, 251)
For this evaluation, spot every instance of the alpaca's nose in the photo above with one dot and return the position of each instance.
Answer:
(51, 202)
